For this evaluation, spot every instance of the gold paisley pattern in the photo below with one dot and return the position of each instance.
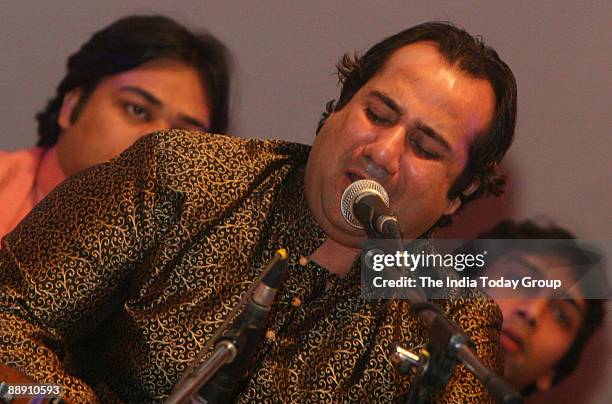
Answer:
(115, 282)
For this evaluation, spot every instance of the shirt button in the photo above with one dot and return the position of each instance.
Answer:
(270, 335)
(296, 302)
(303, 261)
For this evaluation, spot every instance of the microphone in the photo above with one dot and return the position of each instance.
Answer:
(218, 378)
(246, 330)
(365, 205)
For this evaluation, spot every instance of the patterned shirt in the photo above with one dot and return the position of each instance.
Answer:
(116, 281)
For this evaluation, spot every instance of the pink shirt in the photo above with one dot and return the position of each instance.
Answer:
(26, 177)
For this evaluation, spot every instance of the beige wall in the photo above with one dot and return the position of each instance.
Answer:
(285, 52)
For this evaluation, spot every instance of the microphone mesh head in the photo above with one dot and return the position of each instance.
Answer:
(355, 190)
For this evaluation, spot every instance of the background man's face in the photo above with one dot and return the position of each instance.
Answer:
(536, 332)
(409, 128)
(160, 94)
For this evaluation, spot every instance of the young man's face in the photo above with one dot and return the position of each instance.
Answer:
(409, 128)
(160, 94)
(537, 332)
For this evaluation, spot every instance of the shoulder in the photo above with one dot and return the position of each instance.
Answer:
(17, 177)
(208, 173)
(19, 163)
(17, 172)
(194, 145)
(183, 156)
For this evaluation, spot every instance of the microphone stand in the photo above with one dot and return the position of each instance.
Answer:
(216, 379)
(448, 344)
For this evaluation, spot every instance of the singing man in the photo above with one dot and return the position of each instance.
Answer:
(113, 290)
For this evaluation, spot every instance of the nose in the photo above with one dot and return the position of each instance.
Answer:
(385, 150)
(531, 310)
(155, 126)
(166, 124)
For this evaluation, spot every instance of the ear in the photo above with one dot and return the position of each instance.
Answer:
(544, 382)
(69, 103)
(452, 207)
(454, 204)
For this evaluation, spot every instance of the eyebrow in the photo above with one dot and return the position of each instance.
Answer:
(428, 130)
(389, 102)
(143, 93)
(435, 136)
(535, 270)
(158, 103)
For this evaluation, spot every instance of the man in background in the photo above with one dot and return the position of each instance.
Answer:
(138, 75)
(542, 337)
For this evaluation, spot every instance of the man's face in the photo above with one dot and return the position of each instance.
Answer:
(537, 332)
(160, 94)
(409, 128)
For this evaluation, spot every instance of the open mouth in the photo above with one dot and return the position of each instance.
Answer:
(511, 342)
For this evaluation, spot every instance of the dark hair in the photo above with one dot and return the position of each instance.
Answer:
(595, 311)
(130, 42)
(473, 57)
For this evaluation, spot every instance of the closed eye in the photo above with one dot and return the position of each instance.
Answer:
(422, 151)
(376, 118)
